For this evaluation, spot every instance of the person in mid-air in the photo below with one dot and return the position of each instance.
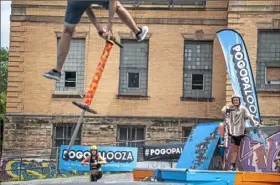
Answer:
(237, 115)
(94, 160)
(74, 12)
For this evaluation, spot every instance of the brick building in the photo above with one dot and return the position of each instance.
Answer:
(158, 88)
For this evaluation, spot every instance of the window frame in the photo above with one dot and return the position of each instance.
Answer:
(130, 95)
(196, 84)
(129, 133)
(184, 129)
(138, 144)
(139, 81)
(261, 66)
(65, 138)
(201, 71)
(56, 148)
(61, 91)
(70, 81)
(273, 81)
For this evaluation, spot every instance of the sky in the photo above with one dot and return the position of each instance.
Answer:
(5, 23)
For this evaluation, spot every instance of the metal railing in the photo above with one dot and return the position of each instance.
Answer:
(20, 166)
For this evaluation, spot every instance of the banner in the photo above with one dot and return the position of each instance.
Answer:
(239, 69)
(240, 73)
(118, 158)
(162, 152)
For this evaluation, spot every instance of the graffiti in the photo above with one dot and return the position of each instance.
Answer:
(30, 169)
(33, 169)
(217, 162)
(277, 164)
(252, 155)
(201, 149)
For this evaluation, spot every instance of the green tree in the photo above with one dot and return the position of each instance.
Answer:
(4, 57)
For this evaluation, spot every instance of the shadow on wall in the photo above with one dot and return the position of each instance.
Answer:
(33, 169)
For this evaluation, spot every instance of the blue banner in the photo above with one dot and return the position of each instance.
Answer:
(240, 74)
(239, 70)
(118, 158)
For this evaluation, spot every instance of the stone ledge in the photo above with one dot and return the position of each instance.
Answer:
(133, 97)
(170, 21)
(75, 96)
(197, 99)
(110, 117)
(80, 35)
(131, 7)
(254, 8)
(262, 92)
(199, 35)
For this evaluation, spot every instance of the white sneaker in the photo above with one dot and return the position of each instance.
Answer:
(142, 33)
(52, 74)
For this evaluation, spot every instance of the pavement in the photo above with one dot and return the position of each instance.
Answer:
(117, 179)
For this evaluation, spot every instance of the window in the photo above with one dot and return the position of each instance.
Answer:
(70, 79)
(133, 80)
(133, 68)
(272, 75)
(131, 133)
(72, 74)
(132, 136)
(268, 62)
(62, 135)
(186, 133)
(197, 82)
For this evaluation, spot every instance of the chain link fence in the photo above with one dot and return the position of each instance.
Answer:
(136, 143)
(140, 144)
(21, 166)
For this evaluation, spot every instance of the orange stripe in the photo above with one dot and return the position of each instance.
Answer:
(143, 175)
(256, 178)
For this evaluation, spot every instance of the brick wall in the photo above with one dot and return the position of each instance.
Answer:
(247, 17)
(29, 135)
(164, 86)
(34, 30)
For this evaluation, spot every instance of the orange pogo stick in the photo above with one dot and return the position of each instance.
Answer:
(91, 91)
(100, 68)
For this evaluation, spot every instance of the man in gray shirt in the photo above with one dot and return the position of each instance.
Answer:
(236, 118)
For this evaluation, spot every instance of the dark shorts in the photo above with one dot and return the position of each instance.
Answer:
(96, 177)
(76, 8)
(236, 140)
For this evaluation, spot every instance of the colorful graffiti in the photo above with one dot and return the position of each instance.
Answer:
(252, 155)
(32, 169)
(199, 150)
(203, 147)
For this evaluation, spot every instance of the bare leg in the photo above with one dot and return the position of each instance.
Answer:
(234, 154)
(222, 130)
(64, 45)
(126, 18)
(222, 134)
